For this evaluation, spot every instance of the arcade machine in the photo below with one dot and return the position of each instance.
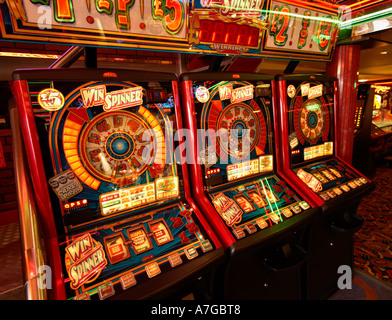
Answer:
(362, 158)
(256, 213)
(381, 129)
(109, 187)
(307, 105)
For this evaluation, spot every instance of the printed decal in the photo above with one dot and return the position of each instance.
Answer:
(228, 209)
(115, 100)
(84, 260)
(202, 94)
(65, 185)
(51, 99)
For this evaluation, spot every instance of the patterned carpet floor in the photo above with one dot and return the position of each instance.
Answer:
(373, 242)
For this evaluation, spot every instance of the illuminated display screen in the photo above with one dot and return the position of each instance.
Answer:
(159, 95)
(235, 140)
(310, 115)
(358, 117)
(228, 33)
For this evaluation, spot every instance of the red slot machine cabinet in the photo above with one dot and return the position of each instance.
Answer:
(115, 204)
(307, 105)
(256, 213)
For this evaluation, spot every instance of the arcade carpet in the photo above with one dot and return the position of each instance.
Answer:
(373, 242)
(11, 279)
(372, 251)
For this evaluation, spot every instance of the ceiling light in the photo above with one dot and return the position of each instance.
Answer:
(384, 52)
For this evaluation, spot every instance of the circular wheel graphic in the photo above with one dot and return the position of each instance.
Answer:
(311, 120)
(117, 145)
(242, 129)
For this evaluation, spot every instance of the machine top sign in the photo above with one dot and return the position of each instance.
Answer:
(261, 28)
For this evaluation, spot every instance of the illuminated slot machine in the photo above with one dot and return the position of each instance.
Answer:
(381, 126)
(362, 157)
(109, 188)
(307, 105)
(256, 213)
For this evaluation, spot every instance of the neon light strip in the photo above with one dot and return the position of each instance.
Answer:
(29, 55)
(269, 203)
(169, 129)
(370, 16)
(363, 4)
(276, 206)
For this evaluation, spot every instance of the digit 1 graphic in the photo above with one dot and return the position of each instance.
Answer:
(273, 20)
(142, 9)
(63, 11)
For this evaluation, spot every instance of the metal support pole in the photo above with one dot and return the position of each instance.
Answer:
(68, 58)
(90, 57)
(181, 63)
(33, 250)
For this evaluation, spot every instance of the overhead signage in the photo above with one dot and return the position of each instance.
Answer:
(257, 28)
(228, 26)
(117, 23)
(295, 29)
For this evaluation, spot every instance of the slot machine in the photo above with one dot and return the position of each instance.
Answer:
(362, 158)
(114, 203)
(307, 105)
(234, 172)
(381, 129)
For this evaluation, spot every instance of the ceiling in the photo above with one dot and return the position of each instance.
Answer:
(376, 57)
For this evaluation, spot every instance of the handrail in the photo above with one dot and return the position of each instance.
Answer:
(33, 250)
(68, 58)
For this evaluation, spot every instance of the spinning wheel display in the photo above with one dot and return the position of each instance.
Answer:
(311, 119)
(242, 127)
(120, 145)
